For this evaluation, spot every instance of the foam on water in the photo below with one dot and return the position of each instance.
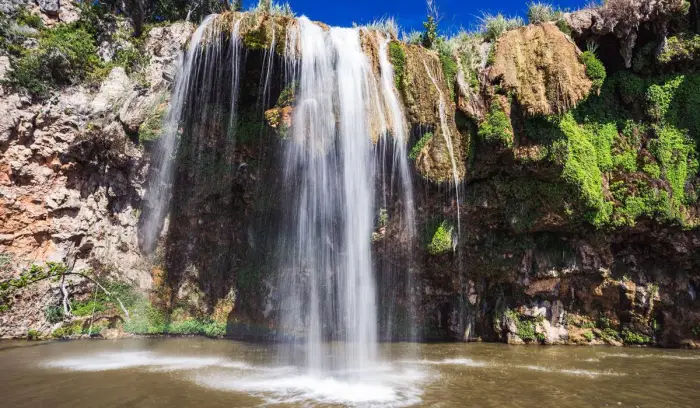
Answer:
(398, 388)
(142, 359)
(383, 385)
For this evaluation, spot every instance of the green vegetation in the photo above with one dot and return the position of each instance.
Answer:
(496, 127)
(538, 13)
(441, 241)
(152, 127)
(288, 95)
(430, 37)
(594, 69)
(526, 327)
(680, 48)
(273, 8)
(33, 334)
(147, 319)
(449, 70)
(397, 56)
(493, 27)
(418, 147)
(677, 155)
(632, 338)
(65, 55)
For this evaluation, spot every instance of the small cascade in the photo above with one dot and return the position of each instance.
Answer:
(445, 130)
(160, 183)
(399, 166)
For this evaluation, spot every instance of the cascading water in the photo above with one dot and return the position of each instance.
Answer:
(445, 130)
(345, 119)
(200, 83)
(327, 283)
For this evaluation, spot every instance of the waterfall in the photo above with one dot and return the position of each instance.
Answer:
(327, 280)
(200, 81)
(400, 166)
(445, 130)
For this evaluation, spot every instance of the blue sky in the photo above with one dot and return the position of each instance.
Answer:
(411, 13)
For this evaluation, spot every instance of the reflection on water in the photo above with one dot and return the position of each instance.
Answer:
(206, 373)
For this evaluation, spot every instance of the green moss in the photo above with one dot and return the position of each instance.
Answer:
(441, 241)
(288, 95)
(659, 97)
(588, 335)
(496, 127)
(582, 170)
(594, 69)
(418, 147)
(397, 57)
(652, 169)
(255, 39)
(526, 327)
(449, 70)
(563, 27)
(676, 153)
(207, 328)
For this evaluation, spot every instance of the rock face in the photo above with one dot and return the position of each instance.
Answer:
(71, 183)
(623, 19)
(541, 66)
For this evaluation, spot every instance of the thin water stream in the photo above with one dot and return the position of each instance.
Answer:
(187, 372)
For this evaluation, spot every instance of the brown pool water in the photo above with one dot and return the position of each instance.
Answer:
(197, 372)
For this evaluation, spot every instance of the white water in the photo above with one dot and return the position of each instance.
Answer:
(445, 130)
(327, 281)
(183, 100)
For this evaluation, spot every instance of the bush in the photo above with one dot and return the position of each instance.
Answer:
(397, 56)
(493, 27)
(54, 314)
(496, 127)
(65, 55)
(413, 37)
(415, 151)
(449, 71)
(441, 241)
(538, 13)
(594, 69)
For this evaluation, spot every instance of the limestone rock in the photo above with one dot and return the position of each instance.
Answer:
(49, 7)
(623, 19)
(542, 67)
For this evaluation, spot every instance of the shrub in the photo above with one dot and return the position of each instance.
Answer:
(65, 55)
(441, 240)
(630, 337)
(387, 25)
(53, 314)
(594, 69)
(449, 70)
(493, 27)
(538, 13)
(413, 37)
(29, 19)
(415, 151)
(496, 127)
(397, 56)
(33, 334)
(273, 8)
